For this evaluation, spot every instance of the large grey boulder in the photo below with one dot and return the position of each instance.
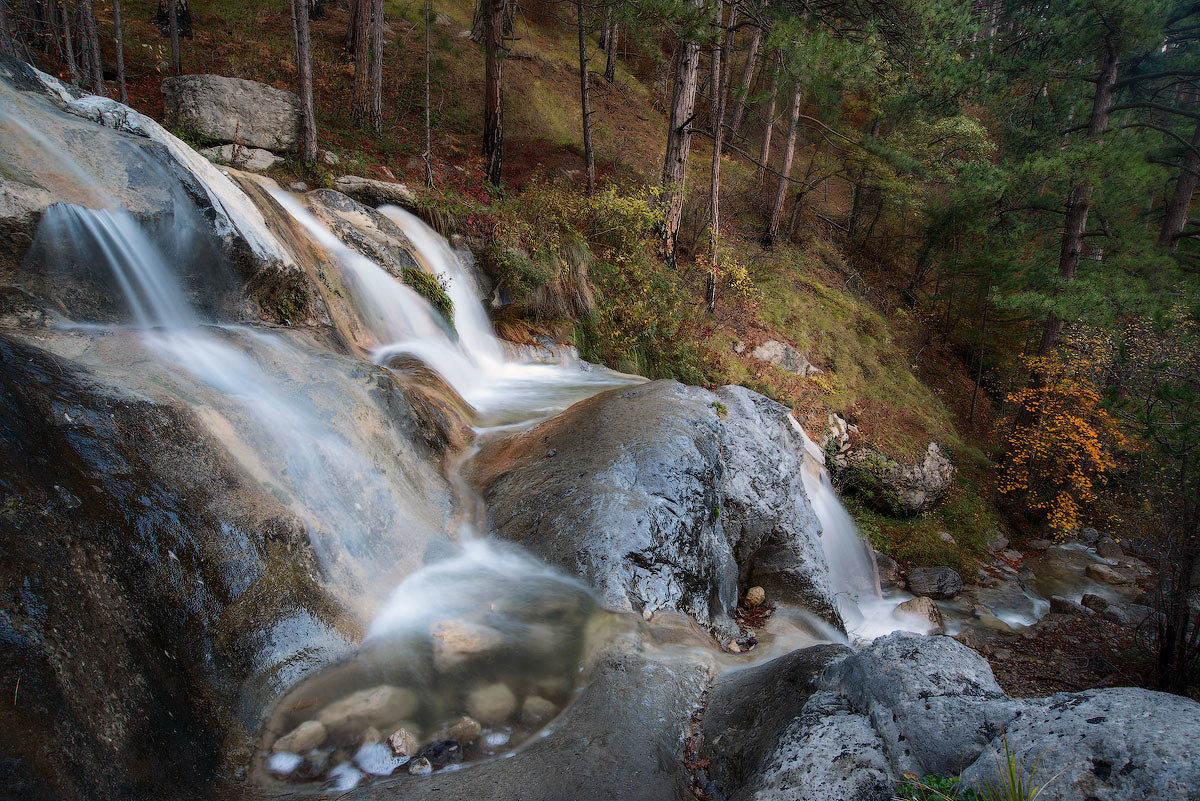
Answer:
(234, 110)
(1115, 744)
(894, 487)
(786, 357)
(829, 752)
(933, 701)
(660, 502)
(933, 582)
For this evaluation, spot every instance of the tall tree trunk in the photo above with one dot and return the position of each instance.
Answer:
(714, 191)
(493, 89)
(789, 152)
(308, 119)
(352, 28)
(6, 42)
(119, 35)
(361, 20)
(376, 110)
(92, 40)
(679, 141)
(721, 81)
(173, 29)
(1079, 204)
(769, 119)
(589, 157)
(1185, 187)
(610, 50)
(70, 45)
(739, 106)
(427, 156)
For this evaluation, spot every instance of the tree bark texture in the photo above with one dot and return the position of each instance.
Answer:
(119, 36)
(427, 156)
(69, 45)
(589, 156)
(1181, 201)
(493, 90)
(785, 172)
(739, 106)
(92, 40)
(376, 109)
(679, 142)
(769, 120)
(611, 39)
(308, 120)
(6, 42)
(719, 50)
(361, 22)
(173, 29)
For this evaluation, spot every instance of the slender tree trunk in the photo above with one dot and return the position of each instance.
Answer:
(1185, 187)
(714, 196)
(173, 28)
(589, 157)
(6, 42)
(493, 90)
(769, 120)
(119, 36)
(789, 152)
(70, 45)
(721, 82)
(979, 368)
(610, 50)
(361, 21)
(679, 141)
(308, 119)
(376, 110)
(739, 106)
(1079, 204)
(91, 40)
(352, 28)
(427, 156)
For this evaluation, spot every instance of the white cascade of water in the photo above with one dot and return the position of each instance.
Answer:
(470, 358)
(865, 610)
(360, 518)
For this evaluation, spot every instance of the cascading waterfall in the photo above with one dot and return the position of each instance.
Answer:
(469, 357)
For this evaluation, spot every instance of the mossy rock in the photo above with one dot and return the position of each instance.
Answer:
(429, 287)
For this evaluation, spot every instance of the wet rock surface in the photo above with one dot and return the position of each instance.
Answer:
(894, 487)
(933, 582)
(659, 502)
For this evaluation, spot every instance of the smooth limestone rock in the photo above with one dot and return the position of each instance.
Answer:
(1114, 744)
(1067, 606)
(375, 193)
(897, 488)
(402, 742)
(662, 503)
(245, 158)
(1108, 574)
(457, 643)
(492, 704)
(372, 707)
(785, 356)
(923, 610)
(536, 710)
(465, 730)
(234, 110)
(305, 737)
(1108, 548)
(933, 582)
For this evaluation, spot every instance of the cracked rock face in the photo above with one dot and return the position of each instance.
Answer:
(1110, 745)
(663, 497)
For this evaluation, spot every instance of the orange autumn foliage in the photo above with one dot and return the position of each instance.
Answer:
(1052, 465)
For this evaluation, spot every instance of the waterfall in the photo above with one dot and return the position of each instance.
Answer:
(469, 357)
